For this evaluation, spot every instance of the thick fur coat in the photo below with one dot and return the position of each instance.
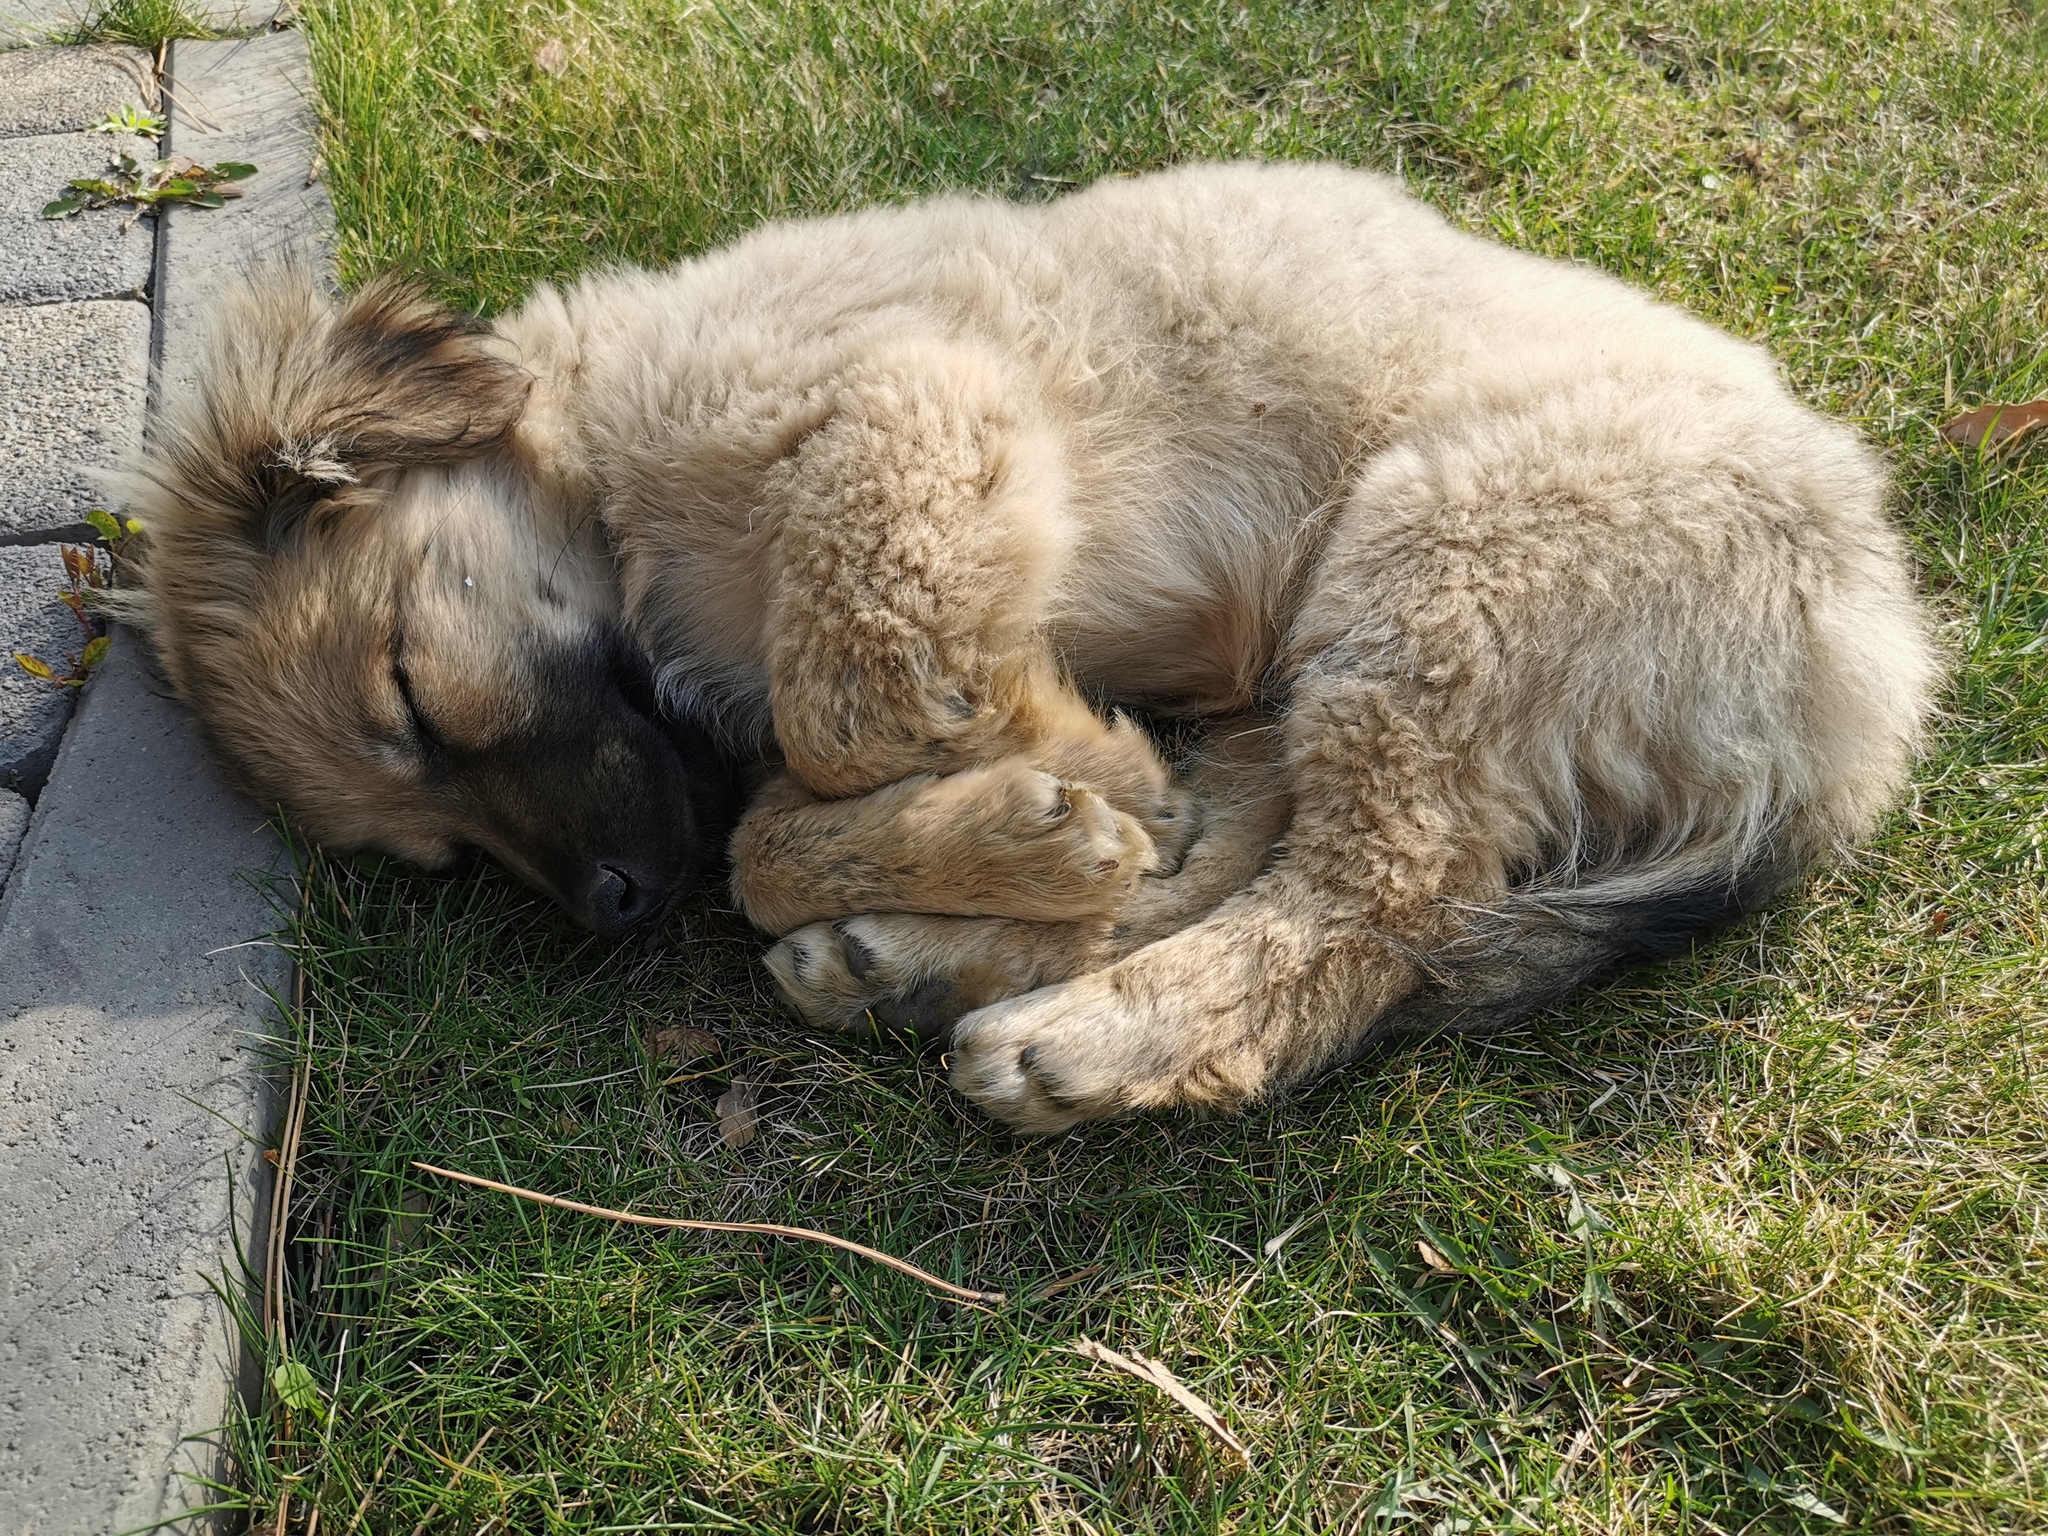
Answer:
(1537, 627)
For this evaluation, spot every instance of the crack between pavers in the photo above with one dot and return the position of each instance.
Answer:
(69, 533)
(141, 295)
(152, 394)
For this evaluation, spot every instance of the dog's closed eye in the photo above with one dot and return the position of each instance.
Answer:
(423, 732)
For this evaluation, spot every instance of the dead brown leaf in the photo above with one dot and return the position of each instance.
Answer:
(551, 58)
(679, 1044)
(1437, 1263)
(1996, 426)
(739, 1114)
(409, 1220)
(1154, 1374)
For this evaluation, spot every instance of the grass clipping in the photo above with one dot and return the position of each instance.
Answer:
(1155, 1374)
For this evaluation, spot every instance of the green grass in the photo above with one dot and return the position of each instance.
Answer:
(139, 23)
(1755, 1243)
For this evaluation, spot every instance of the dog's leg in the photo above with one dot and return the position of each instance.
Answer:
(923, 529)
(1391, 822)
(1286, 975)
(1569, 645)
(906, 972)
(1005, 840)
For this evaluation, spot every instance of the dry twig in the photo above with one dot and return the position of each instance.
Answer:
(749, 1228)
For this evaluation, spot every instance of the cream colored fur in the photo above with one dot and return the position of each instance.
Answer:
(1530, 565)
(1545, 608)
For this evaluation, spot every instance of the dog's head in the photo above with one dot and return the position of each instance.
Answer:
(386, 628)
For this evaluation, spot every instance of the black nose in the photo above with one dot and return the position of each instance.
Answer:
(619, 898)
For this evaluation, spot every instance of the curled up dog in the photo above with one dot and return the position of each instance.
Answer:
(1533, 628)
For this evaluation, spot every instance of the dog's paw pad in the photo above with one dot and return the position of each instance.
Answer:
(826, 972)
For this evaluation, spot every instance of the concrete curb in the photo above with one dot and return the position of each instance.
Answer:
(245, 100)
(137, 978)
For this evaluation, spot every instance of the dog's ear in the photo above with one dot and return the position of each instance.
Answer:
(397, 379)
(299, 402)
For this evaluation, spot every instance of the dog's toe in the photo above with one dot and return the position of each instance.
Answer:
(861, 974)
(818, 970)
(1041, 1063)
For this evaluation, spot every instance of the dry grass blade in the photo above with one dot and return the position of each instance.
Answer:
(1154, 1374)
(749, 1228)
(287, 1162)
(1436, 1263)
(1996, 426)
(370, 1492)
(434, 1508)
(1053, 1287)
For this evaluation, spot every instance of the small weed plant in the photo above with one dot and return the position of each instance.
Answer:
(174, 179)
(132, 119)
(89, 570)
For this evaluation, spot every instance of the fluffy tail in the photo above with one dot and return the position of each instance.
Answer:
(1543, 942)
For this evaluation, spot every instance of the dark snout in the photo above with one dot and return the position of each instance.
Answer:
(622, 895)
(602, 801)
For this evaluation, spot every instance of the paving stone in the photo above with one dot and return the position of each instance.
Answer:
(64, 90)
(27, 23)
(134, 978)
(256, 95)
(32, 714)
(14, 814)
(74, 379)
(100, 253)
(134, 987)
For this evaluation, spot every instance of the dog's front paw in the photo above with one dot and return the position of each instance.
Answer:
(1056, 850)
(1174, 826)
(1048, 1060)
(873, 975)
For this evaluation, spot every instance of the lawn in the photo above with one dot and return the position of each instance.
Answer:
(1758, 1242)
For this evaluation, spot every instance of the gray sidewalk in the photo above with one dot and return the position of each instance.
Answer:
(74, 363)
(137, 967)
